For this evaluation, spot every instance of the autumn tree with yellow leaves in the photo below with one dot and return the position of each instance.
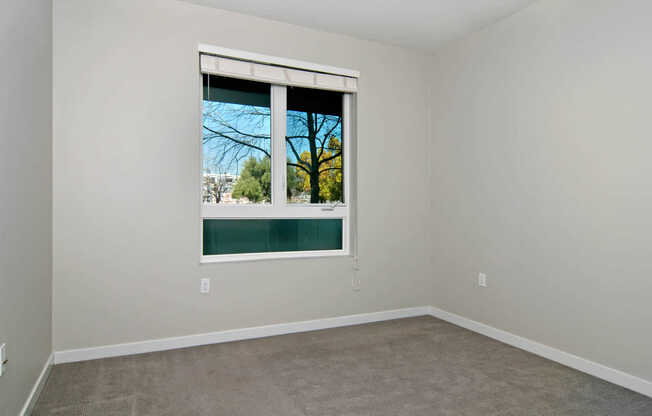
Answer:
(329, 173)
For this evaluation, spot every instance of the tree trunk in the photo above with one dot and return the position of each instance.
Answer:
(314, 186)
(314, 159)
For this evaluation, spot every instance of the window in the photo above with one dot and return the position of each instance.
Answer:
(276, 141)
(236, 141)
(314, 146)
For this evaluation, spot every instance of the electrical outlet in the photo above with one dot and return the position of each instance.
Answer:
(205, 285)
(3, 359)
(356, 283)
(482, 280)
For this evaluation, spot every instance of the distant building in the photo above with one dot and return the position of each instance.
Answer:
(218, 186)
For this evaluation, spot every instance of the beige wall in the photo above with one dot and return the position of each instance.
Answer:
(25, 195)
(126, 145)
(541, 177)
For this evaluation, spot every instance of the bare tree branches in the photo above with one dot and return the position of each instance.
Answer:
(241, 142)
(296, 154)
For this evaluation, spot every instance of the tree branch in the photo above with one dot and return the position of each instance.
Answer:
(330, 158)
(238, 141)
(326, 136)
(323, 120)
(339, 121)
(327, 169)
(300, 167)
(253, 136)
(299, 160)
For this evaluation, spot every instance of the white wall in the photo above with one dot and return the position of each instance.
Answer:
(541, 177)
(25, 195)
(126, 145)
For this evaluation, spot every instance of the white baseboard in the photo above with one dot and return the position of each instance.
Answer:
(598, 370)
(163, 344)
(612, 375)
(38, 387)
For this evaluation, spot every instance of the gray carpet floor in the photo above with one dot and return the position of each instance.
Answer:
(415, 366)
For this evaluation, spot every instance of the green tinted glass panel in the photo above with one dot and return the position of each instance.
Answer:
(271, 235)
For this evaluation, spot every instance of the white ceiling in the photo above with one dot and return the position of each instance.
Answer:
(419, 24)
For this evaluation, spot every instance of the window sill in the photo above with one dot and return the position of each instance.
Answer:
(231, 258)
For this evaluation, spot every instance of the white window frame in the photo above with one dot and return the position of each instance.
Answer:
(279, 207)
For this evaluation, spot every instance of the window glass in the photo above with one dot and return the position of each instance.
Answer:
(236, 141)
(234, 236)
(314, 146)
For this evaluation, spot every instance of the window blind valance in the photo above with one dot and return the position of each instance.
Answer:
(218, 65)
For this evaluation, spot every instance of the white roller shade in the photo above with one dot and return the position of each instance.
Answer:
(273, 74)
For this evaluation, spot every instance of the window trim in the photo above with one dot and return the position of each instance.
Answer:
(278, 147)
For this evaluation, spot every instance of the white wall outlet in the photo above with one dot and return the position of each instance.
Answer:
(482, 280)
(204, 285)
(3, 359)
(356, 283)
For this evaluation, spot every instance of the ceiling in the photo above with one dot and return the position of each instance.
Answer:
(418, 24)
